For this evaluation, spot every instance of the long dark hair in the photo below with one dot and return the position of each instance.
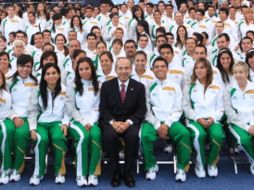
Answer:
(66, 50)
(4, 82)
(224, 75)
(21, 61)
(45, 55)
(249, 55)
(145, 25)
(80, 23)
(96, 27)
(44, 11)
(178, 39)
(134, 9)
(56, 16)
(44, 85)
(78, 83)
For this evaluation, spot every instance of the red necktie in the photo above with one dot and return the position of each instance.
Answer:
(122, 92)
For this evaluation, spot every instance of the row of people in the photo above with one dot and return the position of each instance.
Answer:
(127, 23)
(86, 112)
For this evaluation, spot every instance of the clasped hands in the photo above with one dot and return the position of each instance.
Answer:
(206, 122)
(120, 126)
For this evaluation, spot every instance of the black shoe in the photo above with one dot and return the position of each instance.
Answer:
(129, 180)
(116, 179)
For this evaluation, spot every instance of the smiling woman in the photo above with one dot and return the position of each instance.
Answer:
(203, 107)
(239, 103)
(48, 119)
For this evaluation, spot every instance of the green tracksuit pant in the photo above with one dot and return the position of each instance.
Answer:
(87, 145)
(47, 132)
(180, 137)
(244, 139)
(21, 145)
(200, 135)
(6, 145)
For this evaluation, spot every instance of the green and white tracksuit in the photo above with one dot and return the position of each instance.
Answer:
(201, 103)
(132, 29)
(47, 123)
(89, 23)
(6, 133)
(239, 108)
(9, 25)
(146, 79)
(21, 87)
(102, 77)
(164, 104)
(30, 29)
(244, 27)
(103, 19)
(176, 72)
(84, 110)
(36, 54)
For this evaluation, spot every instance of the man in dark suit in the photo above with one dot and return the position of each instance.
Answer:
(122, 110)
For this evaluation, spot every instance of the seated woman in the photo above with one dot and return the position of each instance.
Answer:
(48, 121)
(21, 83)
(239, 108)
(83, 106)
(203, 107)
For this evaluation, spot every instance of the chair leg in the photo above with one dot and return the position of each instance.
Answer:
(46, 160)
(174, 163)
(138, 166)
(235, 166)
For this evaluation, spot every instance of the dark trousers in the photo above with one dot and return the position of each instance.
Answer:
(111, 146)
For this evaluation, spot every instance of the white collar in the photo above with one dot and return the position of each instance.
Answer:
(125, 83)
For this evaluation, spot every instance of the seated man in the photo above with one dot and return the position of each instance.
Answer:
(164, 104)
(122, 110)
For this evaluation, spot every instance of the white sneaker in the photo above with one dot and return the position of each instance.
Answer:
(252, 168)
(199, 171)
(4, 178)
(81, 181)
(93, 180)
(168, 148)
(15, 176)
(151, 173)
(35, 180)
(212, 171)
(60, 179)
(180, 175)
(121, 154)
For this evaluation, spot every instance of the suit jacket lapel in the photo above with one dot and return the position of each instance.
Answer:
(117, 92)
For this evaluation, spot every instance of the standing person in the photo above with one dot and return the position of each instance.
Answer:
(163, 121)
(225, 64)
(121, 116)
(11, 23)
(76, 25)
(21, 83)
(203, 106)
(48, 120)
(83, 104)
(6, 131)
(239, 109)
(137, 14)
